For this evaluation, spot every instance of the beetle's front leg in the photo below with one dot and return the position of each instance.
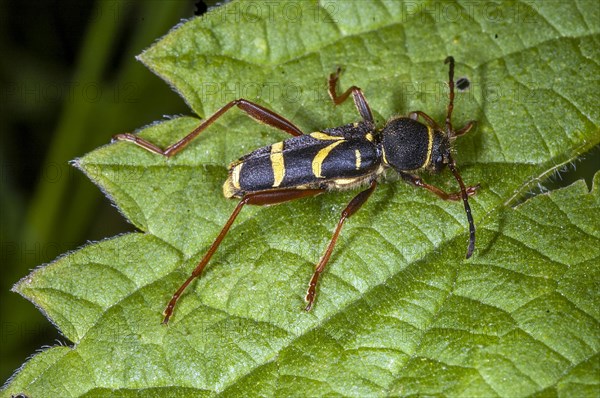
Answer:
(467, 127)
(433, 124)
(418, 182)
(430, 122)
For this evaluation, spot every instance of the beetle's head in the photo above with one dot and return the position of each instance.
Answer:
(440, 152)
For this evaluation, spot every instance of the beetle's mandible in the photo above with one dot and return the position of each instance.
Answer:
(336, 158)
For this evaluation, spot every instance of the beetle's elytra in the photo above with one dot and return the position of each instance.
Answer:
(335, 158)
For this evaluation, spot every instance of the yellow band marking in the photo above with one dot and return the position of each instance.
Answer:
(339, 182)
(320, 157)
(325, 137)
(357, 154)
(383, 154)
(277, 163)
(235, 175)
(228, 189)
(429, 146)
(369, 137)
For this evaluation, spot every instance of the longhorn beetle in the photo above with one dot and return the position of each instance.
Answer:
(335, 158)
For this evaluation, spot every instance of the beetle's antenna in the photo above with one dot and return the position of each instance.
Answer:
(465, 198)
(451, 163)
(449, 129)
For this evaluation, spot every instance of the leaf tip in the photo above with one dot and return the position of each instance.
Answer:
(77, 162)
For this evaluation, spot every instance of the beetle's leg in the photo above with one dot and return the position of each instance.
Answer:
(432, 123)
(255, 111)
(418, 182)
(465, 129)
(464, 193)
(352, 208)
(357, 95)
(258, 198)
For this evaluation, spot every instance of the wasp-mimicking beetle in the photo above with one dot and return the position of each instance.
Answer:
(332, 159)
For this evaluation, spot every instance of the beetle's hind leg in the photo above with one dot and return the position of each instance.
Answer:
(255, 111)
(357, 95)
(263, 198)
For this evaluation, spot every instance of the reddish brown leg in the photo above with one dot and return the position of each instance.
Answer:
(255, 111)
(432, 123)
(258, 198)
(465, 129)
(359, 98)
(352, 208)
(464, 193)
(418, 181)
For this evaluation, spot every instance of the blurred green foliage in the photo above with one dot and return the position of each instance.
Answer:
(69, 81)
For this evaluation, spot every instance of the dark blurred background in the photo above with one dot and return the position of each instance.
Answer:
(69, 81)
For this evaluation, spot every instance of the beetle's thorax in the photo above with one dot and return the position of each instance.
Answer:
(408, 145)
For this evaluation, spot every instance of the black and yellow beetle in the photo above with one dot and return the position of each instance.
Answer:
(332, 159)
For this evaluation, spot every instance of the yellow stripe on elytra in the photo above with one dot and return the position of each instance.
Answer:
(325, 137)
(235, 175)
(320, 157)
(357, 154)
(429, 146)
(277, 163)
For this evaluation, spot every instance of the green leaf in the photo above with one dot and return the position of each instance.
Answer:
(399, 311)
